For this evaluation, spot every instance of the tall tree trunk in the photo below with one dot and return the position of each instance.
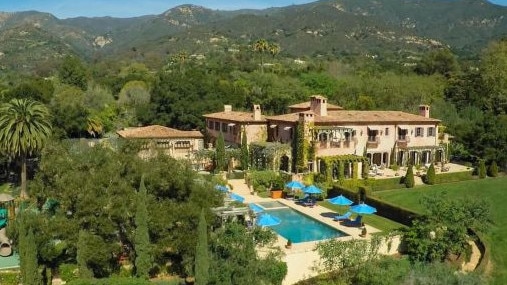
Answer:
(23, 194)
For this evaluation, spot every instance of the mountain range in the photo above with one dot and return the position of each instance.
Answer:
(35, 40)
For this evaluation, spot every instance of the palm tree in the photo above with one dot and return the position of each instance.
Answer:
(24, 128)
(274, 49)
(261, 46)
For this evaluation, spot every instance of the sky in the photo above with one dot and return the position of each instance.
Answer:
(131, 8)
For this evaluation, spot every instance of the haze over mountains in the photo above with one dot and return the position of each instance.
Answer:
(339, 27)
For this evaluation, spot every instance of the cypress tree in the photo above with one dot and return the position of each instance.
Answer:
(409, 177)
(366, 169)
(493, 169)
(28, 254)
(220, 153)
(143, 259)
(202, 258)
(244, 151)
(482, 169)
(430, 175)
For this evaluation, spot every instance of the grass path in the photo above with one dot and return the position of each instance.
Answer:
(492, 190)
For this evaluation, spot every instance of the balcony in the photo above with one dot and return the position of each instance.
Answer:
(402, 141)
(372, 142)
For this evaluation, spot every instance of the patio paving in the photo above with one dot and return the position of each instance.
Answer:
(302, 256)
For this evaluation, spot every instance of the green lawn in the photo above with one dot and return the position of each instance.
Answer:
(375, 221)
(493, 190)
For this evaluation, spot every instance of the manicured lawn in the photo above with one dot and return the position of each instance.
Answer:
(493, 190)
(375, 221)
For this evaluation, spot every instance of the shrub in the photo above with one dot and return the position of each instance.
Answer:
(262, 178)
(430, 175)
(68, 272)
(274, 270)
(110, 281)
(482, 169)
(493, 169)
(363, 193)
(10, 278)
(409, 177)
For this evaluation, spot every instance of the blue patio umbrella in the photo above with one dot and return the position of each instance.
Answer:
(236, 197)
(221, 188)
(340, 200)
(255, 208)
(294, 185)
(312, 189)
(267, 220)
(362, 209)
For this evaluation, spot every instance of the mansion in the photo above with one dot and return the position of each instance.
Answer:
(176, 143)
(383, 138)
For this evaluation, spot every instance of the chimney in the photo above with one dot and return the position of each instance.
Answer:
(424, 110)
(227, 108)
(318, 104)
(257, 112)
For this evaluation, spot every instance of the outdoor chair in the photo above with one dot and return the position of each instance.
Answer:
(354, 223)
(345, 216)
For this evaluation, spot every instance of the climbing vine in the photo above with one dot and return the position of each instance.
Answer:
(328, 163)
(302, 146)
(267, 155)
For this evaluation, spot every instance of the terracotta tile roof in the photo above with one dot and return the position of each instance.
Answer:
(360, 117)
(235, 116)
(157, 132)
(306, 105)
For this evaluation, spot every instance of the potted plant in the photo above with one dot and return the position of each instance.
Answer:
(289, 244)
(276, 188)
(364, 232)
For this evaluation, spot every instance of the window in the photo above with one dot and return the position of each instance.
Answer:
(372, 135)
(402, 134)
(217, 126)
(224, 127)
(419, 132)
(163, 144)
(431, 132)
(387, 132)
(210, 124)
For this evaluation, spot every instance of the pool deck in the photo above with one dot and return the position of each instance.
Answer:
(302, 256)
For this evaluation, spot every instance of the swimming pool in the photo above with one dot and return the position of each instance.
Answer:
(300, 228)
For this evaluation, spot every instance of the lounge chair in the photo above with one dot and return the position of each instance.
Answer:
(354, 223)
(345, 216)
(309, 203)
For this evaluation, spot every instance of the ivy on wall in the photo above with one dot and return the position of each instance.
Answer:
(302, 146)
(267, 155)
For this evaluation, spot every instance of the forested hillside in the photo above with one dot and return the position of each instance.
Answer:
(100, 75)
(397, 30)
(96, 99)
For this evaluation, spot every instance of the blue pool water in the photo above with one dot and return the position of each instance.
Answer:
(300, 228)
